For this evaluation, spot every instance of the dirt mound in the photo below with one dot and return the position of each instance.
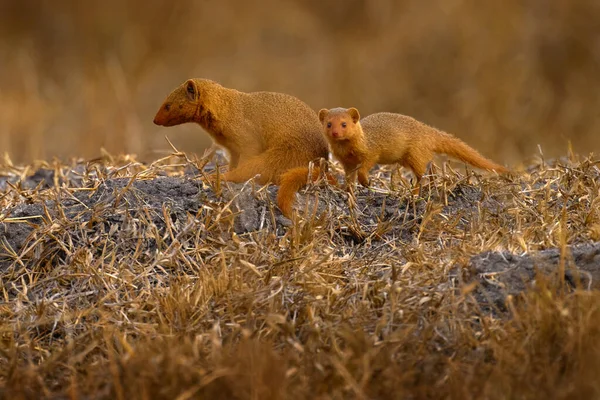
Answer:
(503, 274)
(126, 208)
(115, 205)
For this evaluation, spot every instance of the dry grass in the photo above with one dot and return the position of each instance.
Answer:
(114, 293)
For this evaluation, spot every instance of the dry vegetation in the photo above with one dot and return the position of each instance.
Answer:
(125, 280)
(125, 277)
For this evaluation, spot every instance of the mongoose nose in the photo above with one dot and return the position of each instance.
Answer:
(335, 134)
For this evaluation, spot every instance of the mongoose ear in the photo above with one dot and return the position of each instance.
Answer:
(190, 90)
(322, 114)
(354, 114)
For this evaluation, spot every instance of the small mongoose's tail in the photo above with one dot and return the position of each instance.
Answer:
(293, 180)
(454, 147)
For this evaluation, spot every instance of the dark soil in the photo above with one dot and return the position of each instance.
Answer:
(119, 201)
(502, 274)
(254, 208)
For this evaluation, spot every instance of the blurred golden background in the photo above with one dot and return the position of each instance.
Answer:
(506, 76)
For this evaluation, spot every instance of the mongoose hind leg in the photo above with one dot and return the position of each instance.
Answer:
(293, 180)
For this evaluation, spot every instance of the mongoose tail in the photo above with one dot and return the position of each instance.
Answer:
(454, 147)
(291, 182)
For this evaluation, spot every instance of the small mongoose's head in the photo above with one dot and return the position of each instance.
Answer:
(339, 123)
(184, 104)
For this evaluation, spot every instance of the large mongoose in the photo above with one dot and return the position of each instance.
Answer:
(273, 135)
(388, 138)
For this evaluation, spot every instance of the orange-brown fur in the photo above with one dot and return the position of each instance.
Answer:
(388, 138)
(265, 133)
(292, 181)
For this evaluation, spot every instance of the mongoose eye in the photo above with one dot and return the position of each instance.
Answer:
(343, 124)
(167, 107)
(329, 124)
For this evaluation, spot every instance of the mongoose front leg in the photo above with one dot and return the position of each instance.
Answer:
(351, 175)
(363, 178)
(363, 173)
(210, 152)
(416, 190)
(234, 160)
(268, 165)
(246, 170)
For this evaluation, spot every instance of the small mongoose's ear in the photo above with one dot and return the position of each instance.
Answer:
(322, 114)
(354, 114)
(190, 89)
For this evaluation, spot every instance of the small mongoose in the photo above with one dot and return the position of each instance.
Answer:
(389, 138)
(265, 133)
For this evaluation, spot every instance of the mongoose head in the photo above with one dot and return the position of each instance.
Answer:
(185, 104)
(339, 123)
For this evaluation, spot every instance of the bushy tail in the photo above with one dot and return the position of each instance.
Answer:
(455, 147)
(293, 180)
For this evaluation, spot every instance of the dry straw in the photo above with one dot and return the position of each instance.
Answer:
(124, 280)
